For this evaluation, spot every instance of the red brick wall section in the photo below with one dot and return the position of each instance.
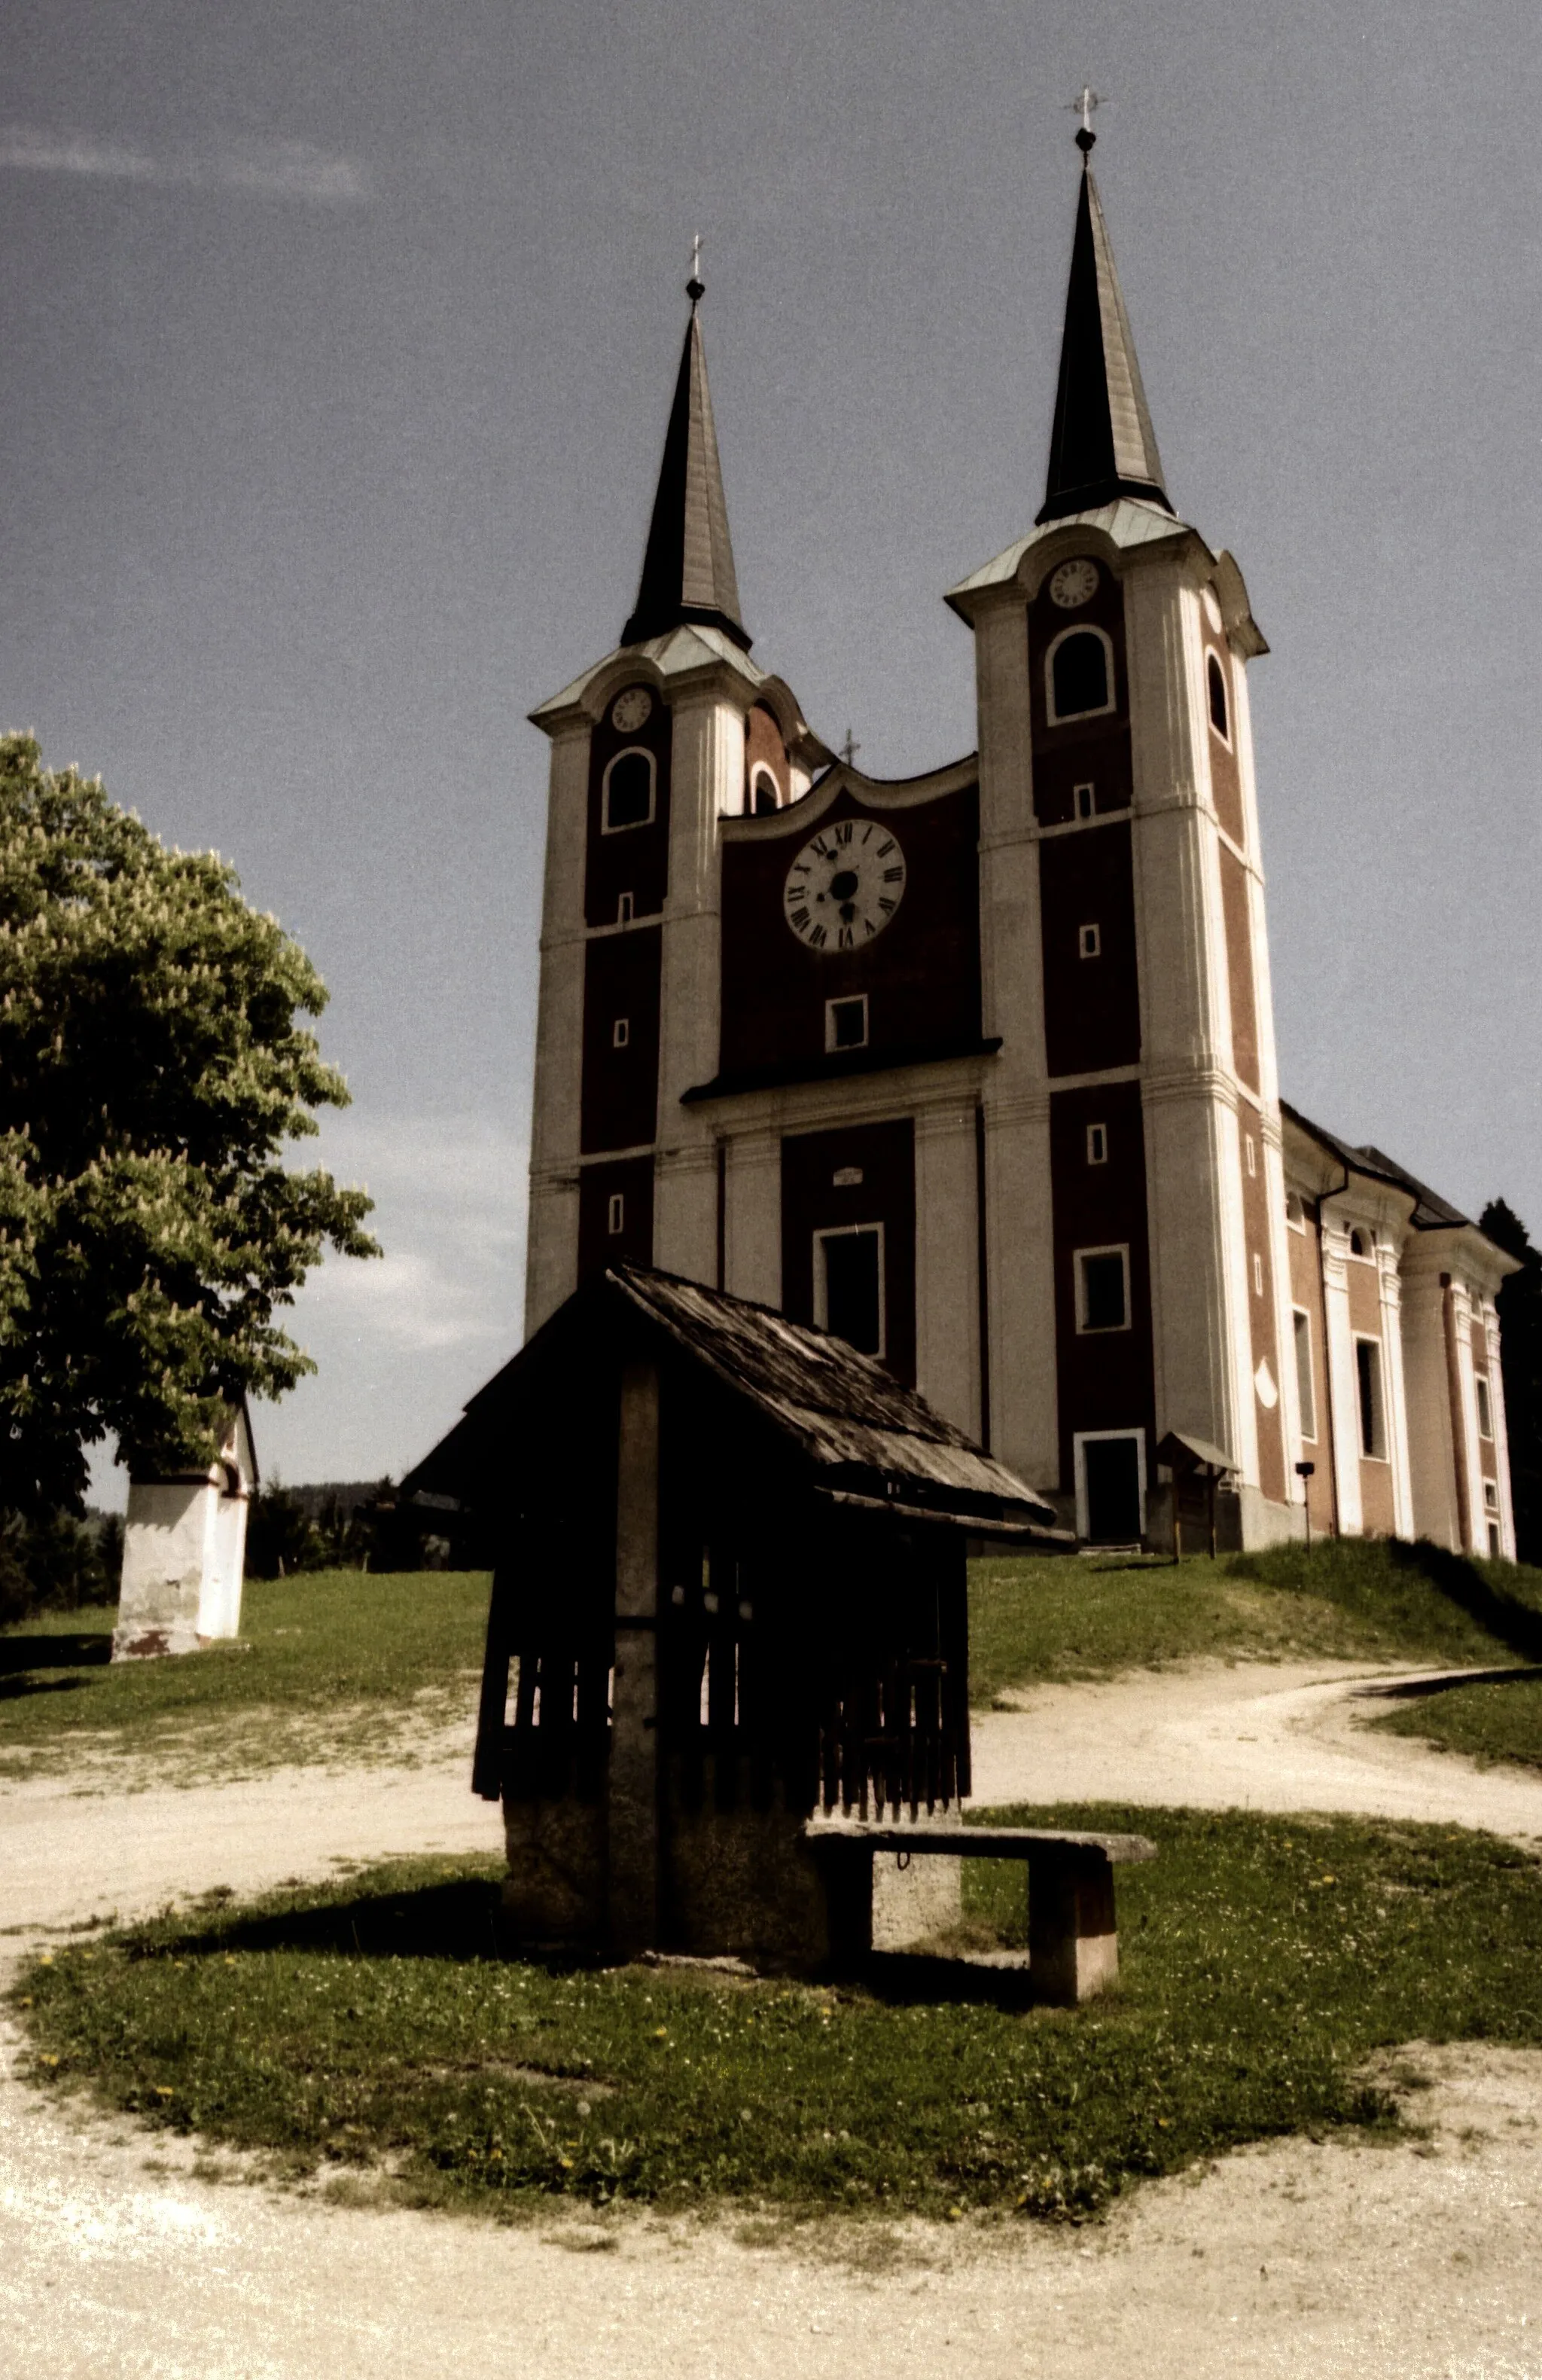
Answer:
(1092, 1005)
(1105, 1378)
(1305, 1282)
(884, 1156)
(1091, 751)
(635, 860)
(620, 1106)
(1265, 1338)
(922, 973)
(632, 1181)
(762, 745)
(1225, 776)
(1239, 966)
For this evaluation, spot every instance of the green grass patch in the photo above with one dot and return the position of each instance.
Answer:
(1037, 1620)
(371, 2027)
(338, 1665)
(1499, 1721)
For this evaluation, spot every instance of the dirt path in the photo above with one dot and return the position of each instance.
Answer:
(1251, 1736)
(1412, 2263)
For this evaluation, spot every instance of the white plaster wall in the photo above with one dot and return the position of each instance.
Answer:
(947, 1274)
(220, 1603)
(168, 1552)
(753, 1217)
(707, 773)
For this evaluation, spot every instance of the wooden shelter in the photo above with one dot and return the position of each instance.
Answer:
(729, 1597)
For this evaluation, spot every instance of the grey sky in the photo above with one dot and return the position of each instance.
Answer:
(337, 344)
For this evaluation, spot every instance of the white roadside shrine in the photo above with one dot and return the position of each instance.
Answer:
(183, 1553)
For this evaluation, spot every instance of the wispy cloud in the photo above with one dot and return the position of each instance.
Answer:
(288, 169)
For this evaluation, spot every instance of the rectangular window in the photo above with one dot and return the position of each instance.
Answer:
(1257, 1275)
(1296, 1214)
(1484, 1411)
(849, 1285)
(621, 1033)
(1306, 1387)
(1373, 1419)
(1252, 1153)
(1493, 1541)
(616, 1214)
(1103, 1289)
(1089, 941)
(845, 1023)
(1082, 795)
(625, 909)
(1491, 1494)
(1097, 1144)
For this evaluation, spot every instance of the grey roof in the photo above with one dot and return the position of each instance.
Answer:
(1432, 1212)
(1102, 444)
(688, 574)
(868, 1439)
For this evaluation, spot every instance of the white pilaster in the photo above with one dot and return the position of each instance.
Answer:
(551, 1259)
(1343, 1388)
(947, 1276)
(1390, 1303)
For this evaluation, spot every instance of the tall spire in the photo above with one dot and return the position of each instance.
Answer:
(688, 571)
(1102, 444)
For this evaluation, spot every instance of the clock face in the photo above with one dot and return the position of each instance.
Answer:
(1074, 584)
(844, 887)
(630, 709)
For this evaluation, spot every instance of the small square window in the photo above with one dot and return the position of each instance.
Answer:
(616, 1213)
(1083, 797)
(621, 1033)
(1097, 1144)
(1296, 1214)
(1089, 941)
(1103, 1289)
(1485, 1410)
(1257, 1275)
(1491, 1494)
(625, 910)
(845, 1023)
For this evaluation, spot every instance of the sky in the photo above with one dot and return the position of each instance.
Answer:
(336, 345)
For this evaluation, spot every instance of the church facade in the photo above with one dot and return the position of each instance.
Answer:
(976, 1068)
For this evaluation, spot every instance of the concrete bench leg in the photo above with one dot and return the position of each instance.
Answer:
(1073, 1947)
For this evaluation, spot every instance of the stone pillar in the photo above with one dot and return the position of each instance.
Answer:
(635, 1781)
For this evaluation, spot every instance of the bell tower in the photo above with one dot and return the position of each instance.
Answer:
(672, 731)
(1132, 1133)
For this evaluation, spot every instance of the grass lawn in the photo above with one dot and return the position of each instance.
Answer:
(1348, 1599)
(330, 1665)
(1494, 1722)
(369, 2030)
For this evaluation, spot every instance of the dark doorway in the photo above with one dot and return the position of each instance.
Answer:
(1112, 1474)
(852, 1266)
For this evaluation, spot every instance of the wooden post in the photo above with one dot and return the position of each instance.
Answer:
(634, 1789)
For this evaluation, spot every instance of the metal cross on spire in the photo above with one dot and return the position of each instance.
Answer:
(695, 287)
(1086, 99)
(850, 748)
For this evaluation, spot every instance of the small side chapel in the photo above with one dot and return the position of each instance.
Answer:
(977, 1069)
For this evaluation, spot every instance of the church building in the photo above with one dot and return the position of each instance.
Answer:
(976, 1068)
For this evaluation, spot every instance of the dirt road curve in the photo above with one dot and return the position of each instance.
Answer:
(1403, 2264)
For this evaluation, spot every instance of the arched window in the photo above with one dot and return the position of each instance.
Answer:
(1080, 675)
(1217, 698)
(766, 795)
(629, 790)
(1358, 1244)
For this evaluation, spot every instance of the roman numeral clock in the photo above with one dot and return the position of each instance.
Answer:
(845, 885)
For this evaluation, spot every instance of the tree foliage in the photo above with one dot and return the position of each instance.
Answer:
(1520, 1311)
(151, 1071)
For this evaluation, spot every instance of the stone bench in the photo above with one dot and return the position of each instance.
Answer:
(1073, 1942)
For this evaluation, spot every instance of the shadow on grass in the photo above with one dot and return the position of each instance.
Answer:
(85, 1651)
(1415, 1690)
(461, 1920)
(915, 1978)
(1504, 1615)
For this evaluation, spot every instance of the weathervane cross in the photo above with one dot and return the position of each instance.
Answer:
(695, 287)
(850, 748)
(1087, 99)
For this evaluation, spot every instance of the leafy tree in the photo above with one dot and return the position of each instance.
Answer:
(281, 1535)
(1520, 1310)
(151, 1070)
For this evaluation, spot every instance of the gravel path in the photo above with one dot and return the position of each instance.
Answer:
(1413, 2263)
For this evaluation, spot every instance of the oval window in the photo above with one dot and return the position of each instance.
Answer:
(1217, 698)
(1079, 674)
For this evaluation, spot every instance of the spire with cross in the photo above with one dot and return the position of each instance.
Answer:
(695, 288)
(1086, 99)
